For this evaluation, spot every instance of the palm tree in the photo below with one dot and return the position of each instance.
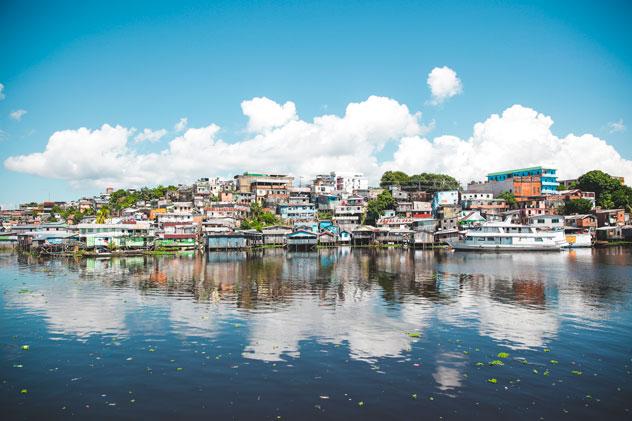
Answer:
(102, 215)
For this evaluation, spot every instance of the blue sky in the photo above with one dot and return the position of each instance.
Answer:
(147, 64)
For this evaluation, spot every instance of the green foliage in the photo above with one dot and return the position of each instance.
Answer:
(425, 181)
(102, 215)
(122, 199)
(258, 218)
(609, 191)
(581, 206)
(324, 215)
(509, 198)
(377, 206)
(394, 178)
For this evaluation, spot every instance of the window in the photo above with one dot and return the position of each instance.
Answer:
(539, 239)
(555, 221)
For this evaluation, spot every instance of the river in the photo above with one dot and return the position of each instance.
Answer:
(333, 334)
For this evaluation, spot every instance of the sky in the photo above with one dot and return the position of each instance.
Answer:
(126, 94)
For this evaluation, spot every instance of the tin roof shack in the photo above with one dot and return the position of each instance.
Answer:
(237, 240)
(363, 235)
(395, 236)
(547, 222)
(275, 235)
(424, 232)
(302, 240)
(36, 241)
(219, 225)
(327, 239)
(486, 206)
(128, 236)
(609, 233)
(442, 237)
(344, 237)
(581, 221)
(610, 217)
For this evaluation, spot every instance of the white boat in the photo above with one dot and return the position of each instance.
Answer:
(505, 236)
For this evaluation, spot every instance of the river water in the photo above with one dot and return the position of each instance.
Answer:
(333, 334)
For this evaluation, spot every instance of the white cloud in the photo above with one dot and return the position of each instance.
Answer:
(17, 114)
(616, 126)
(264, 114)
(2, 96)
(150, 135)
(518, 137)
(444, 84)
(181, 124)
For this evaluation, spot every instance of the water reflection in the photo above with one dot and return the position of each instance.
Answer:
(366, 300)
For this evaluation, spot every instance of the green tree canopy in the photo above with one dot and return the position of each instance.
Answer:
(429, 182)
(581, 206)
(509, 198)
(609, 192)
(377, 206)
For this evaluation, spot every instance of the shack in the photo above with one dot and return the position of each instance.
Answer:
(275, 235)
(302, 240)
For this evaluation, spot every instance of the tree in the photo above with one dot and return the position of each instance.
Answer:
(102, 215)
(609, 191)
(581, 206)
(509, 198)
(394, 178)
(377, 206)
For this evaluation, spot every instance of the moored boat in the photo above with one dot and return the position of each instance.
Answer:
(505, 236)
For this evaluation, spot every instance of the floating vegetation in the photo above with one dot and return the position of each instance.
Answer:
(577, 372)
(480, 364)
(151, 350)
(24, 291)
(554, 362)
(361, 403)
(24, 391)
(492, 380)
(179, 369)
(25, 347)
(414, 334)
(503, 355)
(496, 362)
(413, 396)
(546, 372)
(547, 350)
(535, 371)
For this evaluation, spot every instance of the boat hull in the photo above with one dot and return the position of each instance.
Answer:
(458, 246)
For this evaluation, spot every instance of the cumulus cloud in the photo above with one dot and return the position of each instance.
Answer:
(150, 135)
(17, 114)
(616, 126)
(444, 84)
(2, 96)
(181, 124)
(517, 137)
(264, 114)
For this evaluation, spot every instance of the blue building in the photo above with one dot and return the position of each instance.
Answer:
(548, 177)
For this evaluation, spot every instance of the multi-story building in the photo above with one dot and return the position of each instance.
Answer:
(273, 188)
(349, 183)
(546, 177)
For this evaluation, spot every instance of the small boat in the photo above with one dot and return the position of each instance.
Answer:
(505, 236)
